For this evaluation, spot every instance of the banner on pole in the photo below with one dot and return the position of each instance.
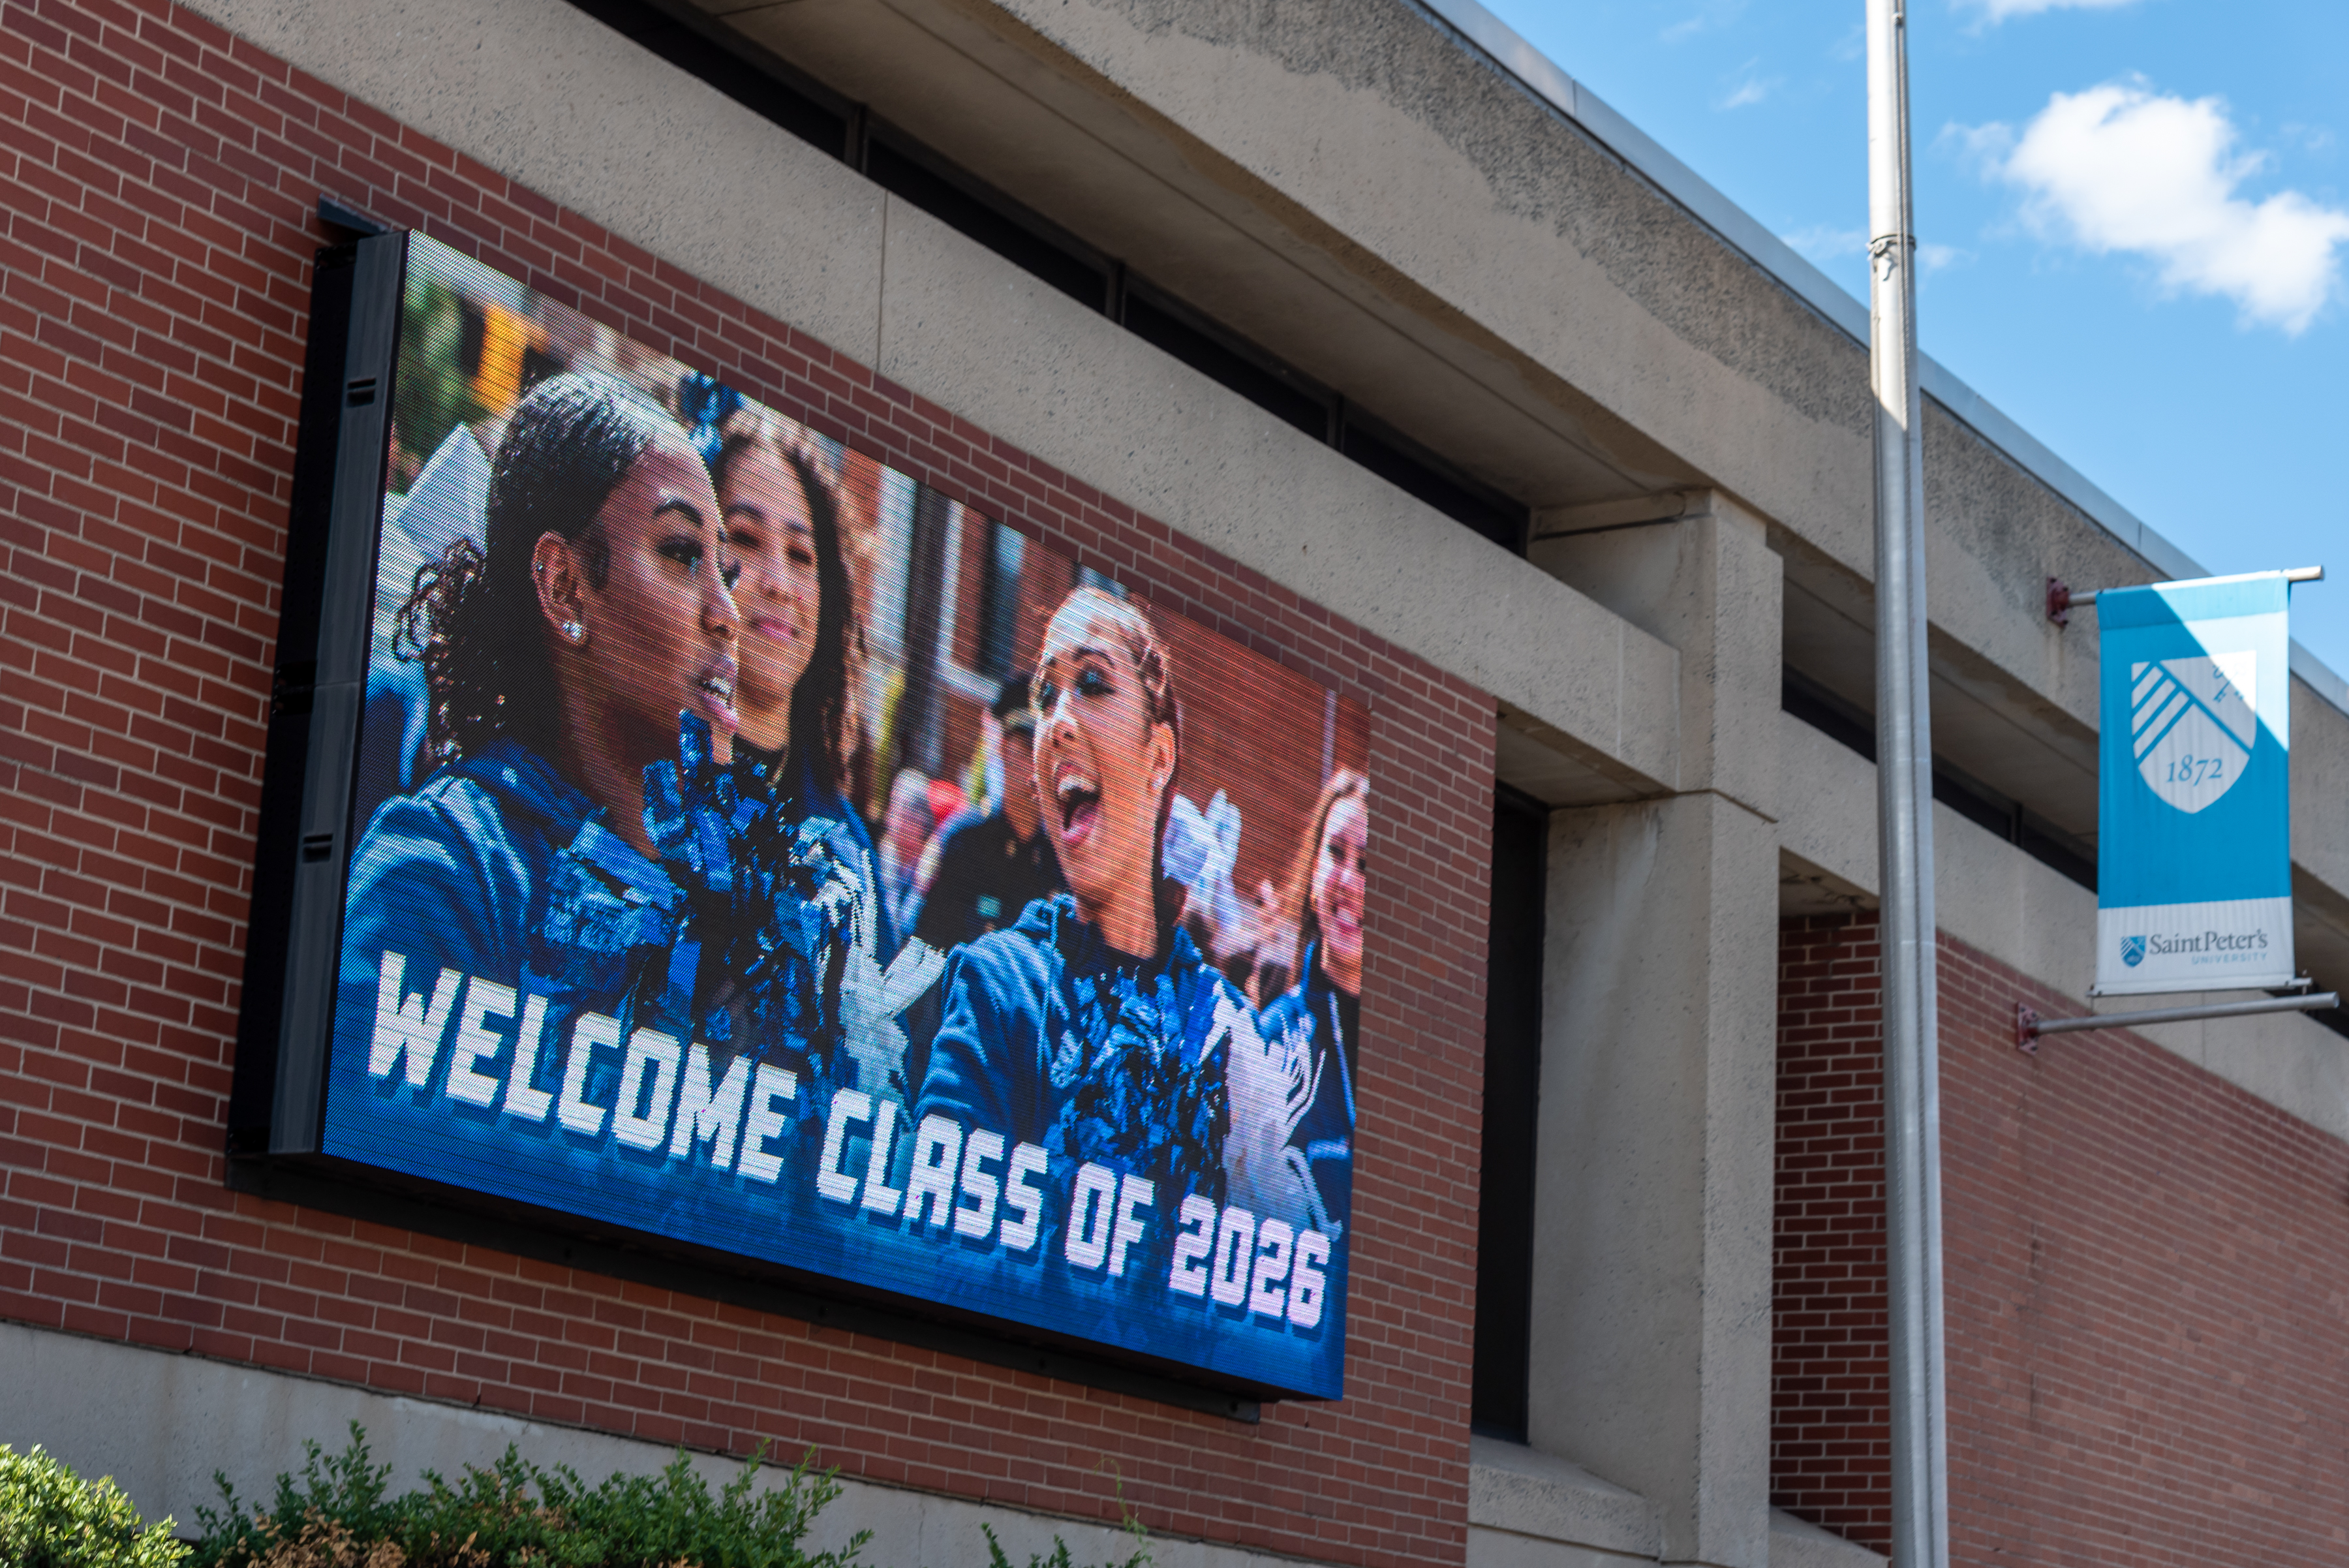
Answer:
(2194, 848)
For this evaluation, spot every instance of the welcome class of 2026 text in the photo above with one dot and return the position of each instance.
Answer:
(673, 1105)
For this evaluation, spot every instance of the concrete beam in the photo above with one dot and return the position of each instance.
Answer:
(1703, 580)
(1650, 1352)
(1028, 363)
(534, 89)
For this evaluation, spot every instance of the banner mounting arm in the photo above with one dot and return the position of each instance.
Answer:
(2062, 599)
(2029, 1026)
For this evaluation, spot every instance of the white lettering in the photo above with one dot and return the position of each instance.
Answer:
(408, 1030)
(978, 1185)
(1275, 1242)
(575, 1110)
(879, 1198)
(1194, 1238)
(476, 1041)
(1227, 1276)
(848, 1107)
(648, 1079)
(931, 1184)
(1022, 1197)
(523, 1102)
(1306, 1292)
(1134, 1194)
(761, 1122)
(1090, 1205)
(707, 1110)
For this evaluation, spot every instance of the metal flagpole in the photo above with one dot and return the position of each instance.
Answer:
(1904, 755)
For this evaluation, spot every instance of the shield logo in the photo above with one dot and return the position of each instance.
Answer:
(2194, 722)
(2132, 950)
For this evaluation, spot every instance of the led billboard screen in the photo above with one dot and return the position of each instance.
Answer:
(752, 847)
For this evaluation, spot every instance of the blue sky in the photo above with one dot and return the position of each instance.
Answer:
(2135, 216)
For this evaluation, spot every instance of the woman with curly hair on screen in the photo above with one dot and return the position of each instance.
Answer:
(559, 654)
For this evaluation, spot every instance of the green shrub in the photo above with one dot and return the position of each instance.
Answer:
(515, 1515)
(51, 1518)
(996, 1557)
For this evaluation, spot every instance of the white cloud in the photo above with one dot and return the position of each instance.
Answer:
(1823, 245)
(1999, 10)
(1752, 87)
(1709, 17)
(2122, 168)
(1985, 146)
(2307, 138)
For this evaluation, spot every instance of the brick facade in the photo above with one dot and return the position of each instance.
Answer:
(1830, 1399)
(2147, 1331)
(157, 182)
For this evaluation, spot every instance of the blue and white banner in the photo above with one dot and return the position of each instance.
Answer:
(2194, 848)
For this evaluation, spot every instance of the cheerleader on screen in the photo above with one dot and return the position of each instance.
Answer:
(1321, 1016)
(559, 655)
(1094, 1026)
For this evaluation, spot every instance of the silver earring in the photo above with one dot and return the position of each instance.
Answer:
(574, 631)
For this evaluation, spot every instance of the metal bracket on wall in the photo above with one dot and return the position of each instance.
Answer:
(334, 212)
(2029, 1026)
(2061, 600)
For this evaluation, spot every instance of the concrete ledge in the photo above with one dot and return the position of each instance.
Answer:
(1037, 369)
(511, 83)
(161, 1424)
(1799, 1544)
(1527, 1503)
(543, 95)
(1530, 1510)
(1502, 1549)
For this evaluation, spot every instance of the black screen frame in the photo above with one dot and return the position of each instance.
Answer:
(302, 856)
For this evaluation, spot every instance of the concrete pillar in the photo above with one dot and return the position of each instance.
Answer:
(1650, 1351)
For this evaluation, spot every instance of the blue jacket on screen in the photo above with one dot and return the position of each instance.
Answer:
(1050, 1036)
(1329, 1020)
(792, 778)
(499, 866)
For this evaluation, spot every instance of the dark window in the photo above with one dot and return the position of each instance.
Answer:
(987, 217)
(1824, 711)
(906, 169)
(1416, 473)
(472, 334)
(1504, 1192)
(766, 87)
(1977, 803)
(2061, 850)
(1181, 335)
(1842, 721)
(998, 601)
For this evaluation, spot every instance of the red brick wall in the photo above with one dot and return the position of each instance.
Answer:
(2147, 1318)
(157, 178)
(1830, 1437)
